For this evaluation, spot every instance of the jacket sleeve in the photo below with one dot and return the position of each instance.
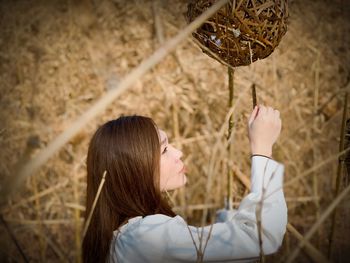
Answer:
(172, 240)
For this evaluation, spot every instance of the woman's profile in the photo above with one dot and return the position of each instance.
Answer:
(133, 222)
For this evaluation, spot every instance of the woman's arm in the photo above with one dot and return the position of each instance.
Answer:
(159, 238)
(237, 237)
(269, 189)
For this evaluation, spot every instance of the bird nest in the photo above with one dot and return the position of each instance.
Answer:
(241, 32)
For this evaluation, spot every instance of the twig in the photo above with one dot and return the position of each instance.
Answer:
(317, 166)
(258, 214)
(158, 26)
(206, 242)
(87, 223)
(208, 51)
(230, 148)
(53, 245)
(62, 221)
(77, 217)
(41, 194)
(295, 131)
(250, 51)
(13, 238)
(339, 173)
(254, 95)
(194, 242)
(314, 152)
(176, 131)
(315, 254)
(42, 245)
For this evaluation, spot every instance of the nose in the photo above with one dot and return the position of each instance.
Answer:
(178, 154)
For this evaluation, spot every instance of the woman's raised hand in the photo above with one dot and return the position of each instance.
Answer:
(264, 127)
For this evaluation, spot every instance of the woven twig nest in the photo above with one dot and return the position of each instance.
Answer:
(242, 31)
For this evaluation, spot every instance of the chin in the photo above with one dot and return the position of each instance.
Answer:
(178, 184)
(185, 180)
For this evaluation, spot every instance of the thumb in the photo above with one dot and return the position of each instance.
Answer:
(253, 115)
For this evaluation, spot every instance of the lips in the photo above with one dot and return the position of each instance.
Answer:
(183, 170)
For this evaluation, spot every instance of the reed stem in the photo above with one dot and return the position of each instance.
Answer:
(341, 160)
(87, 223)
(230, 126)
(9, 231)
(254, 95)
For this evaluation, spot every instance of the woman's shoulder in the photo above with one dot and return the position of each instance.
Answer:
(159, 218)
(153, 238)
(151, 221)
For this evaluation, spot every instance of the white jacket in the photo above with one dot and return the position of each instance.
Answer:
(160, 238)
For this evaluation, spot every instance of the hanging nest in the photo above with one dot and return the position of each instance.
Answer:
(241, 31)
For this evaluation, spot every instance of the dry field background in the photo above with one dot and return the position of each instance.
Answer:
(58, 57)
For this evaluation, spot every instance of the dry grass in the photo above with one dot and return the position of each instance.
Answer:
(58, 58)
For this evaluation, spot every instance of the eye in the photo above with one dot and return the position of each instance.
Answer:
(165, 149)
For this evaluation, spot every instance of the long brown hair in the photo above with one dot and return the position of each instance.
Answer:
(128, 148)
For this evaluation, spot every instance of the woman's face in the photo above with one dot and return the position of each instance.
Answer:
(172, 169)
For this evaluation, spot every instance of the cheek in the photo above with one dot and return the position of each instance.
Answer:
(163, 172)
(168, 173)
(163, 165)
(166, 163)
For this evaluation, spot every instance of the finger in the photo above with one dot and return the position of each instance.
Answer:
(253, 114)
(270, 110)
(280, 123)
(276, 116)
(262, 110)
(277, 113)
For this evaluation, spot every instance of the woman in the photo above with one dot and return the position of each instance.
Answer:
(132, 222)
